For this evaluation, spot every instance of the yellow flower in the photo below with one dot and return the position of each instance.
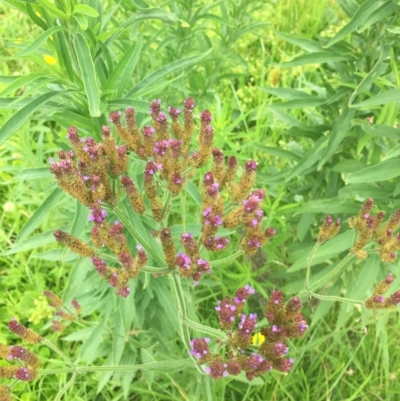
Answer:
(18, 41)
(38, 14)
(258, 339)
(50, 60)
(42, 310)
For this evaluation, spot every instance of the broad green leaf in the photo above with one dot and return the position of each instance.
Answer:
(86, 10)
(328, 206)
(350, 7)
(285, 93)
(392, 153)
(40, 213)
(32, 243)
(140, 3)
(34, 174)
(80, 219)
(22, 81)
(298, 103)
(389, 96)
(278, 152)
(360, 16)
(375, 72)
(330, 249)
(129, 358)
(381, 13)
(49, 6)
(349, 166)
(88, 74)
(82, 21)
(90, 348)
(337, 134)
(38, 41)
(316, 58)
(124, 69)
(138, 105)
(382, 171)
(306, 44)
(176, 65)
(309, 159)
(365, 191)
(57, 255)
(19, 118)
(383, 131)
(153, 13)
(36, 19)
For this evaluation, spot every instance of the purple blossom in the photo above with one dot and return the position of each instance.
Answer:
(97, 215)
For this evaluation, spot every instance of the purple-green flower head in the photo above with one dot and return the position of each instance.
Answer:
(148, 131)
(203, 265)
(303, 327)
(97, 215)
(189, 104)
(183, 261)
(161, 148)
(250, 166)
(155, 106)
(152, 168)
(173, 112)
(115, 117)
(206, 117)
(379, 299)
(124, 292)
(280, 349)
(208, 178)
(221, 243)
(161, 117)
(199, 347)
(213, 189)
(248, 323)
(275, 329)
(254, 242)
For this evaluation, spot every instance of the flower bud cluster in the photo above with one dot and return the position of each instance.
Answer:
(371, 228)
(26, 370)
(286, 322)
(5, 392)
(57, 303)
(88, 172)
(328, 230)
(377, 301)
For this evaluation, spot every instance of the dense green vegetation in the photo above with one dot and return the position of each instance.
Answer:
(306, 88)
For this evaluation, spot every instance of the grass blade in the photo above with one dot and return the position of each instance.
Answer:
(176, 65)
(315, 58)
(363, 12)
(40, 213)
(16, 121)
(38, 41)
(89, 78)
(389, 96)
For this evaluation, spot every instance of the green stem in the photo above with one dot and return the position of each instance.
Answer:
(334, 298)
(308, 272)
(179, 298)
(59, 352)
(228, 259)
(329, 275)
(118, 368)
(66, 387)
(205, 329)
(183, 208)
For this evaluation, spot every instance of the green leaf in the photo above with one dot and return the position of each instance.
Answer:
(18, 119)
(22, 81)
(316, 58)
(338, 132)
(298, 104)
(140, 3)
(80, 219)
(328, 206)
(306, 44)
(88, 74)
(375, 72)
(138, 105)
(124, 69)
(365, 191)
(82, 21)
(331, 248)
(383, 171)
(48, 6)
(153, 13)
(176, 65)
(38, 41)
(31, 243)
(40, 213)
(86, 10)
(384, 11)
(389, 96)
(34, 174)
(57, 255)
(392, 153)
(384, 131)
(363, 12)
(285, 93)
(309, 158)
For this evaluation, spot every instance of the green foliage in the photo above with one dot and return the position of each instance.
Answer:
(292, 85)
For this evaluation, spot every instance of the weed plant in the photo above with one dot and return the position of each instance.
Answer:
(324, 150)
